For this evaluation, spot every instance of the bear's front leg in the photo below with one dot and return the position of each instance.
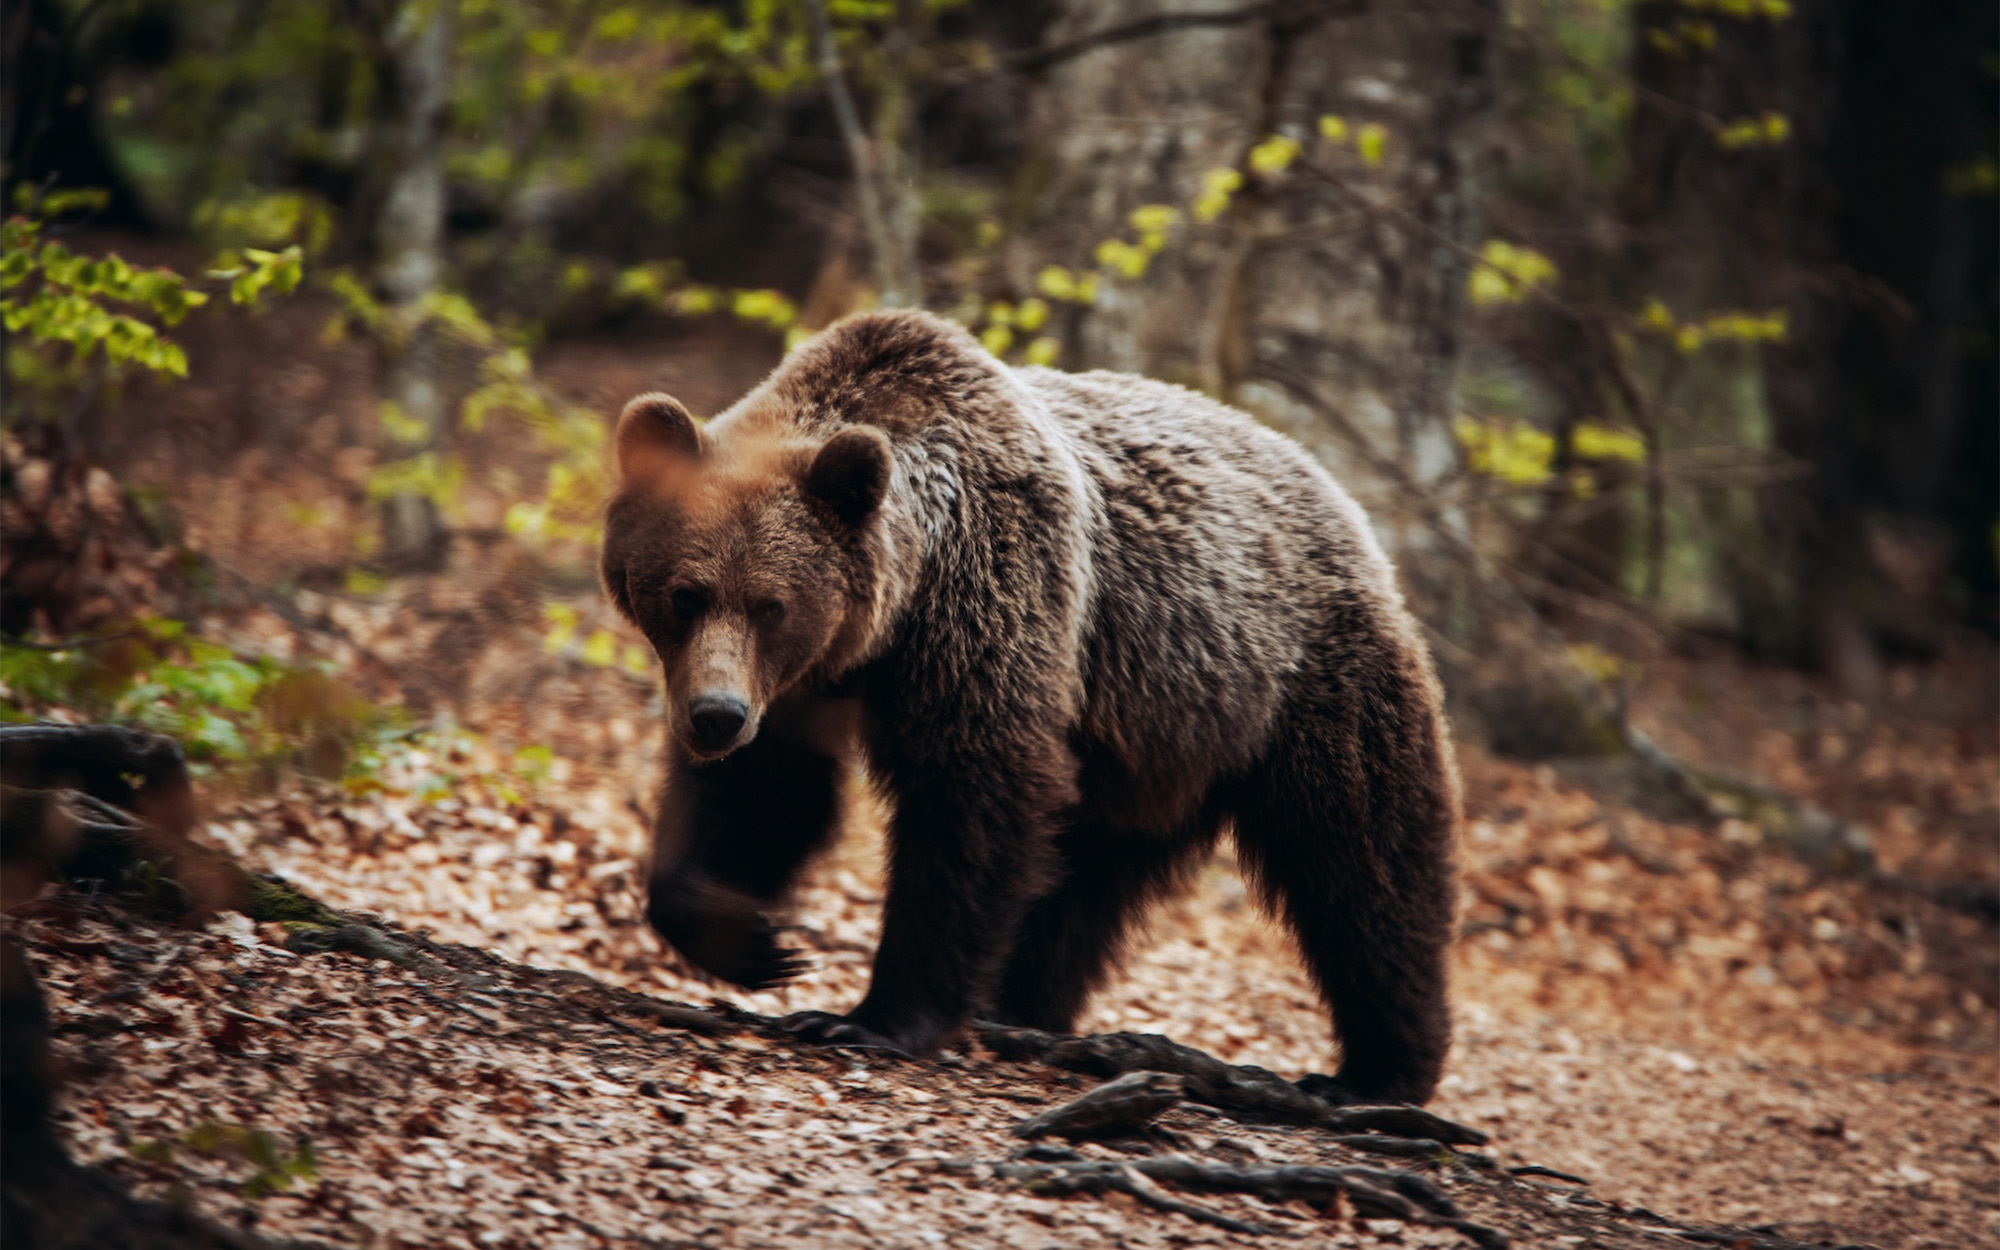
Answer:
(730, 837)
(971, 847)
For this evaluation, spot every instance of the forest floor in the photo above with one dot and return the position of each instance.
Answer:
(1693, 1021)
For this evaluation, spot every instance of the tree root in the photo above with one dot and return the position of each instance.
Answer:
(1372, 1192)
(1242, 1088)
(1119, 1107)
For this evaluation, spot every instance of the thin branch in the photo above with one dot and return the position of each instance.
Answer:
(70, 644)
(1029, 60)
(861, 152)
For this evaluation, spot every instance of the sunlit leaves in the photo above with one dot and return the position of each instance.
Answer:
(1122, 258)
(269, 221)
(1690, 336)
(1059, 283)
(1512, 451)
(1371, 141)
(599, 649)
(61, 201)
(1217, 188)
(617, 26)
(1743, 10)
(1517, 453)
(1152, 221)
(56, 296)
(274, 1168)
(1506, 274)
(1274, 154)
(226, 709)
(768, 307)
(261, 270)
(1764, 130)
(1592, 441)
(426, 474)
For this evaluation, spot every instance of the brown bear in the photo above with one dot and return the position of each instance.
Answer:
(1076, 626)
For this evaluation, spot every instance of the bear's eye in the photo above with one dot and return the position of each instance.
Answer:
(769, 612)
(687, 602)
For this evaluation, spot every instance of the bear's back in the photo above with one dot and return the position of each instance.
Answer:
(1221, 555)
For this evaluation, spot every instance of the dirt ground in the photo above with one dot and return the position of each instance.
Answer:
(1695, 1022)
(1698, 1026)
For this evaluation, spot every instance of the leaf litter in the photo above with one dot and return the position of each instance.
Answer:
(1691, 1020)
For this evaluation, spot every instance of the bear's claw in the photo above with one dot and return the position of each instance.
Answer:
(828, 1029)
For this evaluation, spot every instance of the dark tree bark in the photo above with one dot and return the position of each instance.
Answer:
(1328, 299)
(50, 113)
(1860, 226)
(411, 241)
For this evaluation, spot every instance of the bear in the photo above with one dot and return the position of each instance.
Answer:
(1074, 626)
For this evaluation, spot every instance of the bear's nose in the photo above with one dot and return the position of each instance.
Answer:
(715, 719)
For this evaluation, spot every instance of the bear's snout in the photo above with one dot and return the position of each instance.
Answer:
(714, 720)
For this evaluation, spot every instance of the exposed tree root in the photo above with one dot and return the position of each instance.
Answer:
(1231, 1087)
(1372, 1192)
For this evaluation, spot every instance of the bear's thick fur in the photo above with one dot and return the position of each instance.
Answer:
(1076, 625)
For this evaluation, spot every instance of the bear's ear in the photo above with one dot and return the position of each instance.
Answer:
(851, 472)
(653, 428)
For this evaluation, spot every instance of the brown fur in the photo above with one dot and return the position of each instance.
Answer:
(1076, 625)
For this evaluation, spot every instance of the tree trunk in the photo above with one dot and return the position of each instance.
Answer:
(1853, 226)
(411, 262)
(1328, 298)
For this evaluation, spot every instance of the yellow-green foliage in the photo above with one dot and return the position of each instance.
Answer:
(54, 295)
(1059, 283)
(1766, 129)
(1274, 154)
(72, 307)
(1719, 327)
(1519, 454)
(274, 1168)
(1218, 186)
(275, 220)
(1512, 451)
(599, 649)
(224, 708)
(1506, 273)
(1592, 441)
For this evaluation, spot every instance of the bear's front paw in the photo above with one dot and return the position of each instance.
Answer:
(749, 956)
(721, 931)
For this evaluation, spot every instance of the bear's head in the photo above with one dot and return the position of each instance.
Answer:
(748, 559)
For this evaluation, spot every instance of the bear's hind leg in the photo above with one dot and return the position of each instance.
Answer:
(1347, 828)
(1072, 936)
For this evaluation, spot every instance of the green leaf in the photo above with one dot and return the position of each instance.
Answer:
(1592, 441)
(1273, 154)
(1370, 141)
(1506, 273)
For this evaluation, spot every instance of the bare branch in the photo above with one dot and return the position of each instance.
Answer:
(1299, 14)
(866, 160)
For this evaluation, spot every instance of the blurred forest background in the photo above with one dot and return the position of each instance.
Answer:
(1649, 323)
(1658, 337)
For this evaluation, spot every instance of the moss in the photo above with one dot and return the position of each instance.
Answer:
(271, 900)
